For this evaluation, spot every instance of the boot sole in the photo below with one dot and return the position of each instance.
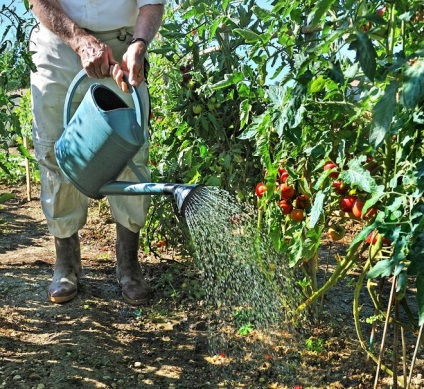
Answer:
(62, 299)
(134, 302)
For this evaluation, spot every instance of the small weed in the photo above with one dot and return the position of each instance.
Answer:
(372, 319)
(315, 345)
(245, 329)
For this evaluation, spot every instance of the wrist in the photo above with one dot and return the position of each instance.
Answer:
(140, 41)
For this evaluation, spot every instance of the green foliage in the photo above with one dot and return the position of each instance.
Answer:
(15, 65)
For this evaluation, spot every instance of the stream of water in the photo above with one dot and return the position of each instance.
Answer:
(244, 278)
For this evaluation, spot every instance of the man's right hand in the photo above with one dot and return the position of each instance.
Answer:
(96, 57)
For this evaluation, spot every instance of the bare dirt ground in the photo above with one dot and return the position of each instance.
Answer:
(98, 341)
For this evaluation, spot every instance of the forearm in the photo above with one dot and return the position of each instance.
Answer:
(149, 21)
(51, 15)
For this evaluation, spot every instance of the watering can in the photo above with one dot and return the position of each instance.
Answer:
(100, 140)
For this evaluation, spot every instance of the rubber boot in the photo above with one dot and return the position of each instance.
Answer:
(135, 289)
(67, 269)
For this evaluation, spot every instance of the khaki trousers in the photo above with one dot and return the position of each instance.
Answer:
(64, 207)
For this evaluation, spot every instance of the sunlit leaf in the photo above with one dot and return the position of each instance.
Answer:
(317, 208)
(413, 88)
(383, 115)
(382, 268)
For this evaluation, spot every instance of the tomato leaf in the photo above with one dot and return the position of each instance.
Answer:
(413, 88)
(229, 80)
(365, 54)
(383, 115)
(248, 35)
(357, 176)
(320, 10)
(317, 208)
(382, 268)
(363, 234)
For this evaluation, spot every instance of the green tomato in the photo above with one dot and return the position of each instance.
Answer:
(197, 109)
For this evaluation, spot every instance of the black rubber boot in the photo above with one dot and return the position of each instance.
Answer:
(67, 269)
(135, 289)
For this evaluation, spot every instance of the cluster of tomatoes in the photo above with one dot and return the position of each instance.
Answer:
(350, 203)
(291, 203)
(295, 204)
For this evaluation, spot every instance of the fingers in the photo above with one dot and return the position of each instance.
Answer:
(136, 77)
(118, 75)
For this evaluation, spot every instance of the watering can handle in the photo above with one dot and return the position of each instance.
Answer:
(73, 87)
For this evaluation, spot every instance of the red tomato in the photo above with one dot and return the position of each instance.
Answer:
(284, 175)
(381, 11)
(260, 189)
(302, 201)
(357, 208)
(371, 212)
(340, 187)
(346, 203)
(287, 191)
(161, 243)
(285, 206)
(297, 215)
(373, 237)
(371, 165)
(329, 165)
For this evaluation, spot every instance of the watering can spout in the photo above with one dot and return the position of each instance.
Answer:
(182, 193)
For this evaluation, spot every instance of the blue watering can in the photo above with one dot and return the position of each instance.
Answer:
(101, 139)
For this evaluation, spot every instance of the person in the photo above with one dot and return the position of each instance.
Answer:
(109, 39)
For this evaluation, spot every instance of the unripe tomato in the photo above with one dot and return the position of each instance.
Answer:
(197, 109)
(287, 191)
(346, 203)
(297, 215)
(260, 189)
(329, 165)
(340, 187)
(302, 201)
(286, 206)
(336, 233)
(357, 208)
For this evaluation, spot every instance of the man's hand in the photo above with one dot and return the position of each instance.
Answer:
(132, 67)
(96, 57)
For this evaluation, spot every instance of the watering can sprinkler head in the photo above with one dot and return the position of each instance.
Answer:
(183, 194)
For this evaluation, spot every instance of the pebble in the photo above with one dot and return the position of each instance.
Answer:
(17, 377)
(137, 364)
(41, 386)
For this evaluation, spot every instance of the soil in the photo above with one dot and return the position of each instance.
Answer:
(98, 341)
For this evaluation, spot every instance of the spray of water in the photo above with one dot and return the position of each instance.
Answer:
(242, 273)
